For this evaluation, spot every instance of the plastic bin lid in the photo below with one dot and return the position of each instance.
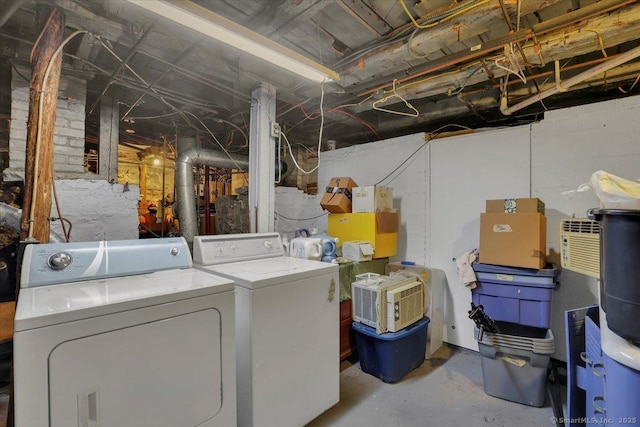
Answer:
(634, 212)
(544, 345)
(500, 269)
(390, 336)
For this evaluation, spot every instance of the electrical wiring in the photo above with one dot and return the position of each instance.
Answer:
(319, 135)
(358, 119)
(293, 158)
(246, 138)
(431, 134)
(446, 18)
(401, 164)
(302, 219)
(632, 86)
(18, 71)
(339, 110)
(215, 139)
(410, 50)
(39, 127)
(46, 25)
(161, 116)
(278, 160)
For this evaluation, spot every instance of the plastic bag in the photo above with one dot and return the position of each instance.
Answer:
(614, 192)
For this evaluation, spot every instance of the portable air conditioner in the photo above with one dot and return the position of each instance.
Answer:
(385, 303)
(405, 305)
(580, 246)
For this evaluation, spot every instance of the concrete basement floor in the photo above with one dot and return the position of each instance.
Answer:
(446, 391)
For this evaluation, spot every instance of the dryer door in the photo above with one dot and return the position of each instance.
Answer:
(163, 373)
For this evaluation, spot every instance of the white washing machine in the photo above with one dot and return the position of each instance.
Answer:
(287, 328)
(123, 333)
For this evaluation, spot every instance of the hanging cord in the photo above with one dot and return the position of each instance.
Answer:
(39, 126)
(319, 137)
(67, 235)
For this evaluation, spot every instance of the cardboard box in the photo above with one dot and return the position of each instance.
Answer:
(515, 206)
(337, 196)
(372, 199)
(357, 250)
(379, 228)
(513, 239)
(7, 313)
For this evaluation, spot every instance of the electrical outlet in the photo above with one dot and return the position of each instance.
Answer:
(275, 129)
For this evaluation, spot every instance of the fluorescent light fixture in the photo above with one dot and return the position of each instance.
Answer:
(211, 24)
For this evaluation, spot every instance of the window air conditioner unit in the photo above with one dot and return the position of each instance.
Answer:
(580, 246)
(388, 304)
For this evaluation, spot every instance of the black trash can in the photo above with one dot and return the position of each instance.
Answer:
(620, 270)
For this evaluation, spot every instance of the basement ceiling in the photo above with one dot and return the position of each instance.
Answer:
(404, 67)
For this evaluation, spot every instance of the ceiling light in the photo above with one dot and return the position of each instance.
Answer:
(156, 162)
(211, 24)
(130, 131)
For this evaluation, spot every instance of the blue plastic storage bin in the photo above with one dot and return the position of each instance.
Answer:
(391, 356)
(517, 295)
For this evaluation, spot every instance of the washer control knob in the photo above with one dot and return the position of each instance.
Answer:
(60, 260)
(268, 244)
(175, 251)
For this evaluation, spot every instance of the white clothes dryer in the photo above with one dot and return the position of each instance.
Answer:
(287, 328)
(123, 333)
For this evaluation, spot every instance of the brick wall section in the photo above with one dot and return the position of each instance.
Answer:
(98, 210)
(69, 131)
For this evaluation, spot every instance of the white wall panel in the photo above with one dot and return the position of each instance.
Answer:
(369, 163)
(465, 171)
(567, 147)
(441, 193)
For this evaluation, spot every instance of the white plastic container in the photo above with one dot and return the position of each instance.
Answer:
(306, 248)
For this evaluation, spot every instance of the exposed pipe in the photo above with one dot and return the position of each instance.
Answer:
(9, 8)
(184, 183)
(553, 24)
(10, 218)
(123, 64)
(578, 78)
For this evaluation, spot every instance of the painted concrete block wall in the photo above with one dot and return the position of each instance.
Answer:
(567, 147)
(465, 171)
(458, 174)
(370, 163)
(97, 209)
(69, 129)
(295, 209)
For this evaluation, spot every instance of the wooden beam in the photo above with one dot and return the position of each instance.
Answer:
(38, 199)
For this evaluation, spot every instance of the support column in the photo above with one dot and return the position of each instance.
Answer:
(108, 143)
(40, 126)
(262, 158)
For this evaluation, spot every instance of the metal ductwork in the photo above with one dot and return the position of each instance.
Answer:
(10, 218)
(184, 182)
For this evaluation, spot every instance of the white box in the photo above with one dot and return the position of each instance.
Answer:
(357, 250)
(371, 199)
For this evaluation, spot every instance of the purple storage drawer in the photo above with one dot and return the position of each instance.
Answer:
(513, 302)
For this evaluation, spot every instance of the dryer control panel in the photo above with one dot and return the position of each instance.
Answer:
(54, 263)
(224, 248)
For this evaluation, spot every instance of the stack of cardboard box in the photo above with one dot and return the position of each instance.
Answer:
(361, 216)
(513, 232)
